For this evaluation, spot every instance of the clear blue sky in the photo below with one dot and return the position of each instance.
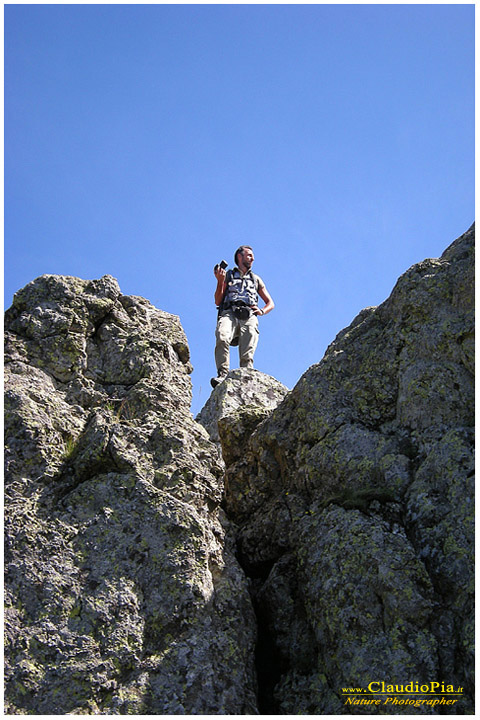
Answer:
(149, 141)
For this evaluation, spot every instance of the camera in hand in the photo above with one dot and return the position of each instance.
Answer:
(222, 264)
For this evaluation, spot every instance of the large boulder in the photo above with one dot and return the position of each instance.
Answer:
(123, 594)
(354, 504)
(243, 389)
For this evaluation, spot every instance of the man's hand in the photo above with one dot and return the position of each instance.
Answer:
(267, 298)
(256, 310)
(219, 273)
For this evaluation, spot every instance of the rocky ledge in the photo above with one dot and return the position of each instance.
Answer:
(328, 545)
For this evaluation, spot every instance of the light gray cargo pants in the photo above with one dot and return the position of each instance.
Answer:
(229, 327)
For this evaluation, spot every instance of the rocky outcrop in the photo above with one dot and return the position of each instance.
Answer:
(122, 592)
(245, 390)
(354, 504)
(328, 546)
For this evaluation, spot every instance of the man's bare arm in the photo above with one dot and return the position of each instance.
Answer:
(267, 298)
(220, 274)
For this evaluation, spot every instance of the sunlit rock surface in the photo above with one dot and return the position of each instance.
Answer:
(243, 389)
(122, 593)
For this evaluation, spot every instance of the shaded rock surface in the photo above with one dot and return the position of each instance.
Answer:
(122, 591)
(354, 504)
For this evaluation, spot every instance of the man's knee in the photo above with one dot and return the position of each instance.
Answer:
(223, 336)
(224, 330)
(249, 335)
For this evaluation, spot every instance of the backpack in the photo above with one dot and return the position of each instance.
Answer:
(242, 291)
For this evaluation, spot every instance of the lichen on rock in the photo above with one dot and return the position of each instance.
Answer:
(122, 592)
(283, 547)
(353, 502)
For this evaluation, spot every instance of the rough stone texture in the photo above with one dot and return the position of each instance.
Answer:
(242, 389)
(354, 504)
(122, 591)
(351, 499)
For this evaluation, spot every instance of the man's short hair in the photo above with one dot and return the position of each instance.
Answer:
(240, 251)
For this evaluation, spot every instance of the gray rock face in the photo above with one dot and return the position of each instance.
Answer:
(242, 389)
(347, 501)
(354, 504)
(122, 592)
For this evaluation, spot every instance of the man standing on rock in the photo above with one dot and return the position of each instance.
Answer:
(236, 297)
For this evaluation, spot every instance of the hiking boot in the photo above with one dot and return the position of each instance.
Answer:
(217, 380)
